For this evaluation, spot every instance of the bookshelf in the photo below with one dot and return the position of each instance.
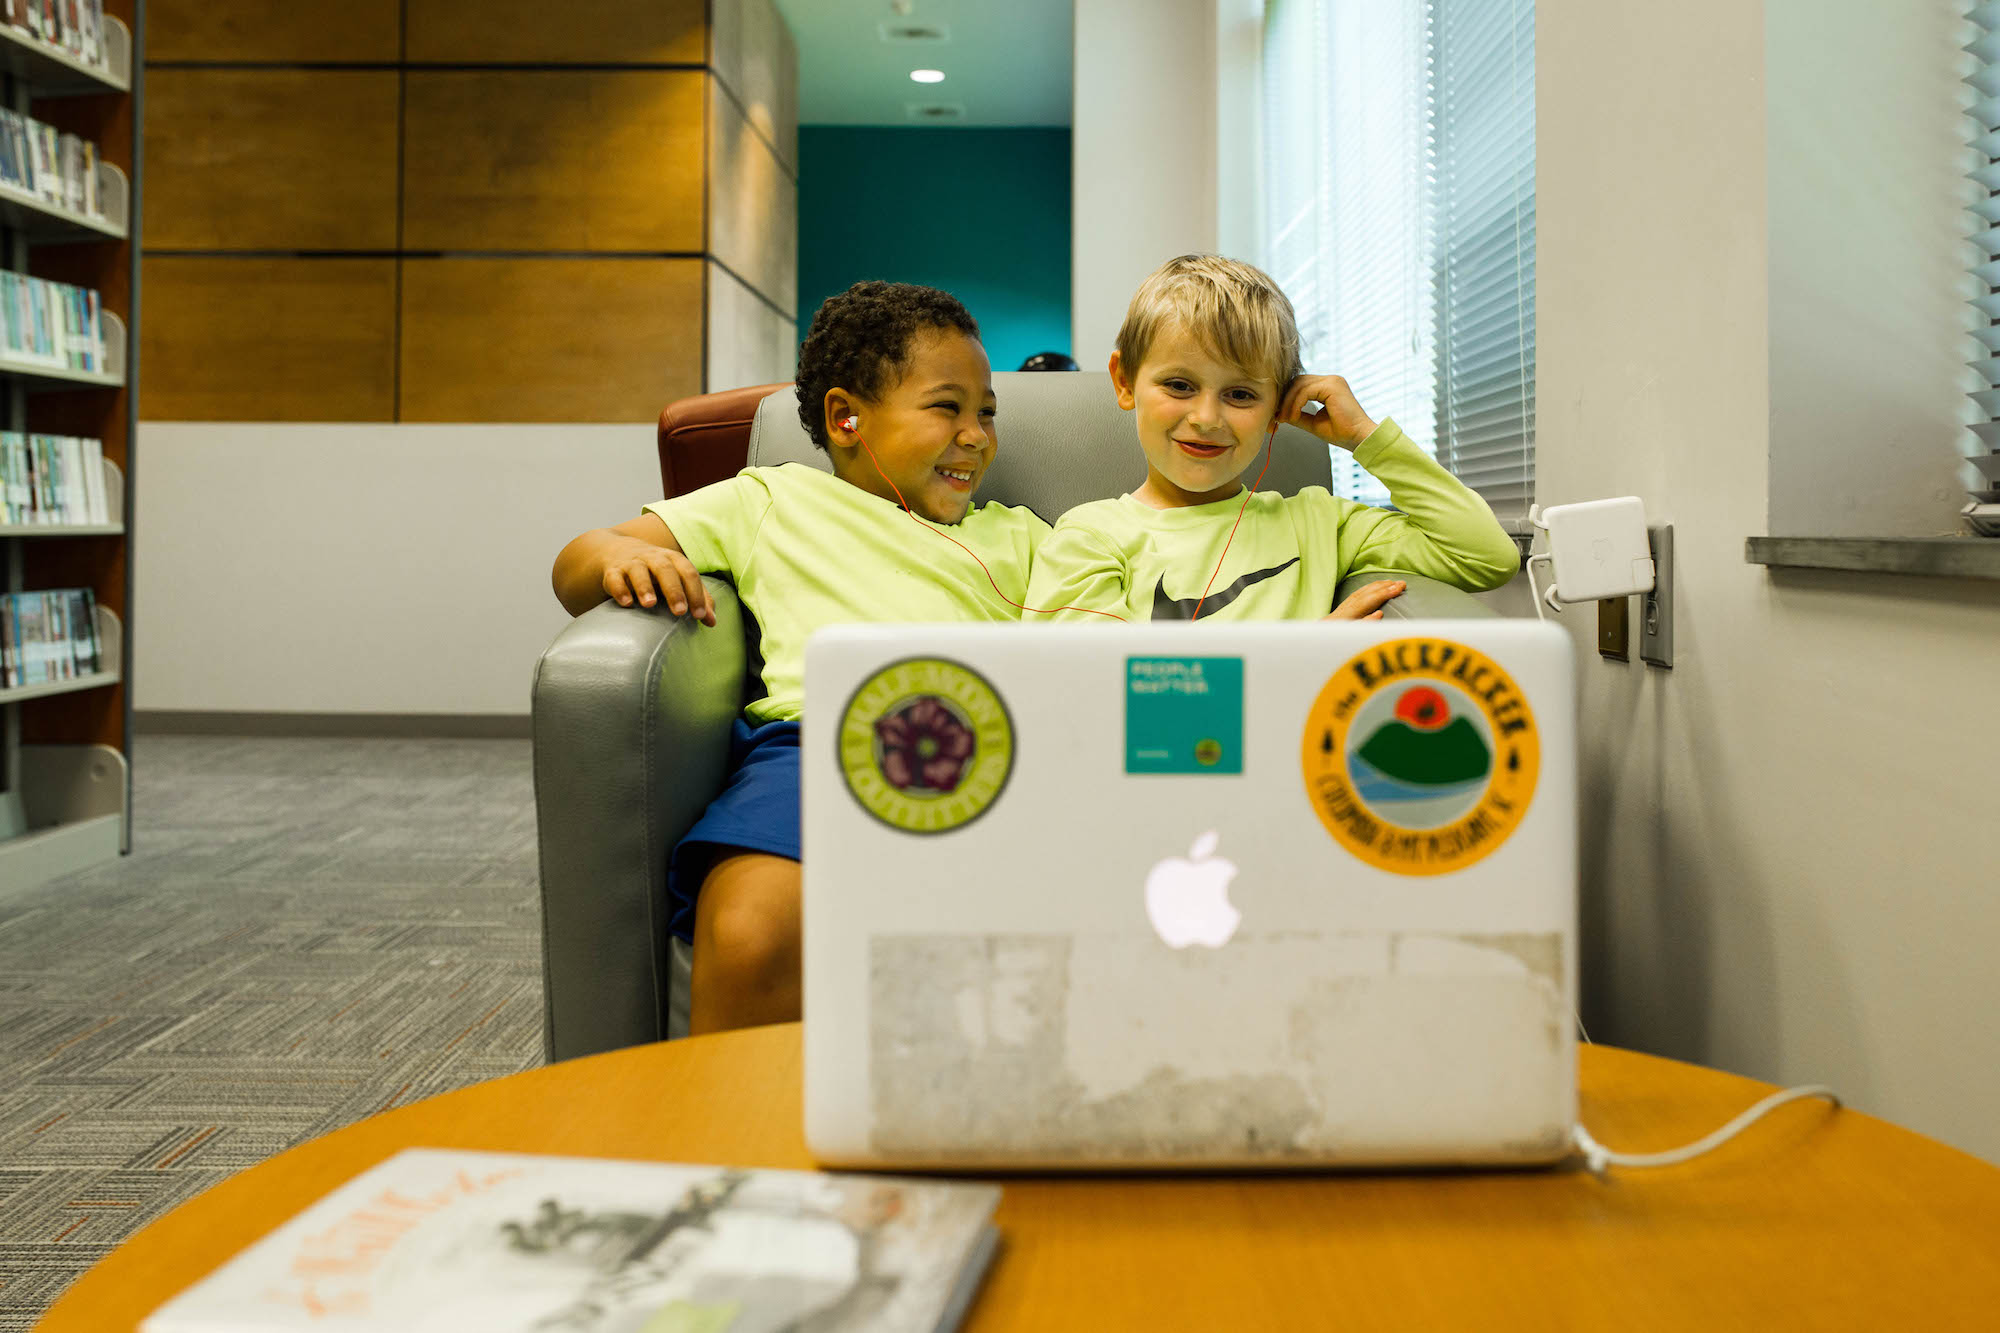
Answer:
(64, 744)
(51, 71)
(47, 223)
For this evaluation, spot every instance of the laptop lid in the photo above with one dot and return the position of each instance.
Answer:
(1173, 895)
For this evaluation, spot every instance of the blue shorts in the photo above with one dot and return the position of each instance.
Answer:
(757, 811)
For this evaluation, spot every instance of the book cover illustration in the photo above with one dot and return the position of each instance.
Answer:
(433, 1240)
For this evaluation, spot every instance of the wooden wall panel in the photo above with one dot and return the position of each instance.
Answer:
(549, 339)
(753, 206)
(268, 339)
(541, 32)
(537, 160)
(274, 30)
(270, 160)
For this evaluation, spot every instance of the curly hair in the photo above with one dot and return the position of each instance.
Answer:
(860, 341)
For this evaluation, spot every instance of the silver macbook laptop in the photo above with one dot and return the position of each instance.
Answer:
(1190, 896)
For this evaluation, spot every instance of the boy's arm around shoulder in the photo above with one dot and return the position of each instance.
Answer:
(1445, 530)
(1076, 572)
(1022, 527)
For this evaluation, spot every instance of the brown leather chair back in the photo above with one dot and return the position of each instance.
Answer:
(707, 437)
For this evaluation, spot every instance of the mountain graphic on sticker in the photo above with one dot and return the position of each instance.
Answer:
(1424, 747)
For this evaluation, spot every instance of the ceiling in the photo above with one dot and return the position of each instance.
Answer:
(1006, 62)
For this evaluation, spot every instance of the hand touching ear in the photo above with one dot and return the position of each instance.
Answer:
(1338, 420)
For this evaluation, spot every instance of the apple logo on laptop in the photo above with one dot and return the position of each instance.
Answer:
(1188, 898)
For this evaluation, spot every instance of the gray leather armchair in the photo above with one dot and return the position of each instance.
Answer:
(632, 710)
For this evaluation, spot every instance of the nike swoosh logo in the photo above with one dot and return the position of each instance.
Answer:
(1168, 608)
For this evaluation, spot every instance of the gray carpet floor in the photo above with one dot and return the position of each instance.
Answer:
(306, 932)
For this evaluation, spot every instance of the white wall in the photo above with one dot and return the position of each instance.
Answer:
(1866, 175)
(1783, 856)
(749, 340)
(1239, 129)
(1143, 157)
(363, 568)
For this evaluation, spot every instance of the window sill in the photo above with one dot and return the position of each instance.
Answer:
(1948, 557)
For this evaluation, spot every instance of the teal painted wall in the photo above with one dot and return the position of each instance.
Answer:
(982, 214)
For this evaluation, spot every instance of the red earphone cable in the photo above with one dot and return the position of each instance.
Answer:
(1268, 440)
(967, 549)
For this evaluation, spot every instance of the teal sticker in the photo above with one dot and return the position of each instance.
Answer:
(1183, 715)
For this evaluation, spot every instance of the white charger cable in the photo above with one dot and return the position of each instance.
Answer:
(1535, 524)
(1597, 1157)
(1537, 593)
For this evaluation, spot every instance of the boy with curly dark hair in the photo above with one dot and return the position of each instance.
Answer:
(895, 387)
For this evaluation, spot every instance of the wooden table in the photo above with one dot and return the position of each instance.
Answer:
(1813, 1218)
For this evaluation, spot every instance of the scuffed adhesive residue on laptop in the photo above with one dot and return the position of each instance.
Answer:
(1284, 1046)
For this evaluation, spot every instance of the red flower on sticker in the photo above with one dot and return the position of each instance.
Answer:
(925, 746)
(1423, 708)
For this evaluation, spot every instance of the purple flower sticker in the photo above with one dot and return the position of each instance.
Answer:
(924, 746)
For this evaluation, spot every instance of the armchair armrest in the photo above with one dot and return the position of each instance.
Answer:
(1423, 598)
(632, 711)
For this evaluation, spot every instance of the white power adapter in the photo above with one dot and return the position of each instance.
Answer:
(1598, 549)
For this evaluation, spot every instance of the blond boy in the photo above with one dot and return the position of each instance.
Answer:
(1208, 363)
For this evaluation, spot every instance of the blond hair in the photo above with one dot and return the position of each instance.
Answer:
(1231, 308)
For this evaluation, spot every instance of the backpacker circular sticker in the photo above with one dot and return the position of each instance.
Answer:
(926, 745)
(1421, 756)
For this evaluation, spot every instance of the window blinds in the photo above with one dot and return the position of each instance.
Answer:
(1400, 141)
(1985, 113)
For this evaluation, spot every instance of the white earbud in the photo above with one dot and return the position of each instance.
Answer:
(850, 423)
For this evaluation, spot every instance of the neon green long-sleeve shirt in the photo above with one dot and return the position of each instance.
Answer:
(1289, 554)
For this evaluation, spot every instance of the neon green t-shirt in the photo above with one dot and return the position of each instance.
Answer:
(1289, 554)
(806, 549)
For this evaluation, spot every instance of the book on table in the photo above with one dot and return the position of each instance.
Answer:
(436, 1239)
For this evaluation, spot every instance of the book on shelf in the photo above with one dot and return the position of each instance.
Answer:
(48, 636)
(57, 168)
(437, 1239)
(91, 30)
(50, 323)
(52, 480)
(74, 26)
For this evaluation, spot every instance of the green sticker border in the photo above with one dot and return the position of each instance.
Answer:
(1013, 755)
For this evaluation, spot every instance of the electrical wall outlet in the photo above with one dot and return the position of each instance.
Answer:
(1614, 639)
(1656, 607)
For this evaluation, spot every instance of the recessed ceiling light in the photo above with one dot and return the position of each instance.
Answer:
(927, 75)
